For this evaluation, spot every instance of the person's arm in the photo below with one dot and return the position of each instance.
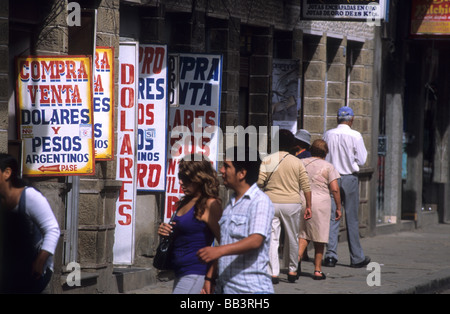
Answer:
(334, 189)
(212, 215)
(305, 186)
(308, 212)
(210, 279)
(252, 242)
(262, 176)
(361, 152)
(38, 264)
(42, 215)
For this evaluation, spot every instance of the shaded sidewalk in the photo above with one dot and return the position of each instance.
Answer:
(415, 261)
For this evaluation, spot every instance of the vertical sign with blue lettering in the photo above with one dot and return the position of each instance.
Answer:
(104, 103)
(55, 118)
(152, 118)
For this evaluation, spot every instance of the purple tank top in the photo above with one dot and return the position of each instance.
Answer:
(191, 235)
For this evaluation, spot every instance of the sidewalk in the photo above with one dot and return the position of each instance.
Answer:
(410, 262)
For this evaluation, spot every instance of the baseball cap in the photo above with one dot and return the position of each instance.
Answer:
(304, 136)
(345, 111)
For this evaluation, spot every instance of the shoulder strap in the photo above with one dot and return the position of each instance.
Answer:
(310, 162)
(33, 229)
(173, 215)
(22, 202)
(268, 178)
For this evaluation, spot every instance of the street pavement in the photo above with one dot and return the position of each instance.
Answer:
(410, 262)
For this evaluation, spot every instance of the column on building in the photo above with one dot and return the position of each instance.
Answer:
(149, 207)
(98, 193)
(314, 76)
(260, 81)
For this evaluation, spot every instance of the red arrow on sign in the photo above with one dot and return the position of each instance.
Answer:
(49, 168)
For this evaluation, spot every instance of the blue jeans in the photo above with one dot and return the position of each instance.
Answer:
(188, 284)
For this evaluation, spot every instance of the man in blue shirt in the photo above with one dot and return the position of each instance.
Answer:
(246, 225)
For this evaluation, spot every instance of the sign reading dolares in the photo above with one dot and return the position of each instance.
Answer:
(54, 102)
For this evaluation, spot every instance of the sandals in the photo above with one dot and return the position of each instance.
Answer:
(322, 277)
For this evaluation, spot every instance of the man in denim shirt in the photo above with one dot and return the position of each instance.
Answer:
(245, 225)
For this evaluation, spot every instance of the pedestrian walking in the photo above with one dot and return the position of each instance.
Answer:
(301, 150)
(195, 225)
(30, 233)
(245, 228)
(347, 153)
(323, 177)
(282, 177)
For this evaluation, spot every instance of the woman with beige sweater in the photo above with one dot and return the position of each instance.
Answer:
(282, 177)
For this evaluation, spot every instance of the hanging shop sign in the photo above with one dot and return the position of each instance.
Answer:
(55, 115)
(430, 18)
(193, 115)
(360, 10)
(104, 103)
(123, 249)
(286, 94)
(152, 118)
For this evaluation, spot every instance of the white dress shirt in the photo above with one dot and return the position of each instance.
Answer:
(347, 151)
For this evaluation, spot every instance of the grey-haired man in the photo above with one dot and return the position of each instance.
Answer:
(347, 153)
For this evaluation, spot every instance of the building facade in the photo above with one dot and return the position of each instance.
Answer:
(331, 64)
(413, 126)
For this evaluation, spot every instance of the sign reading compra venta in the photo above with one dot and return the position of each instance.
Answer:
(55, 117)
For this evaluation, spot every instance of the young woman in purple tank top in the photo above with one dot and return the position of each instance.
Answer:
(195, 225)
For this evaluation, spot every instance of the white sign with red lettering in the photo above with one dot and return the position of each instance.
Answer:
(126, 150)
(193, 117)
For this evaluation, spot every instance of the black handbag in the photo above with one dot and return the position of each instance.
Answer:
(161, 260)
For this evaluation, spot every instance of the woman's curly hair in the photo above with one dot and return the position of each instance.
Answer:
(198, 169)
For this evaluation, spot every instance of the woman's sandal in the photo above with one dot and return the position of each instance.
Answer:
(322, 277)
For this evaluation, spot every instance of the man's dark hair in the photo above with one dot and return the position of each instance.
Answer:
(286, 140)
(245, 158)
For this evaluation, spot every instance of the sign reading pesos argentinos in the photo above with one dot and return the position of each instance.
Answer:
(54, 99)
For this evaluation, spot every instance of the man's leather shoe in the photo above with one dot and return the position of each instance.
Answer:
(329, 262)
(361, 264)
